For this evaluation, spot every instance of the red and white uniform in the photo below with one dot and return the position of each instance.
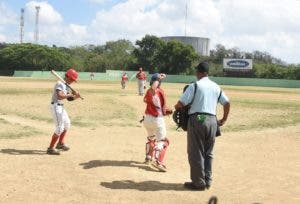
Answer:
(141, 78)
(141, 75)
(154, 121)
(60, 115)
(155, 125)
(124, 79)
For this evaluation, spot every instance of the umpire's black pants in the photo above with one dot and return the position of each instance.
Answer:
(201, 140)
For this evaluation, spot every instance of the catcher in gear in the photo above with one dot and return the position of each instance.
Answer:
(60, 115)
(154, 123)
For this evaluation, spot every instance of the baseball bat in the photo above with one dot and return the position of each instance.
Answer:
(63, 81)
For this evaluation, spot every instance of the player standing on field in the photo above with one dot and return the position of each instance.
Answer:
(154, 123)
(92, 75)
(124, 79)
(60, 115)
(141, 77)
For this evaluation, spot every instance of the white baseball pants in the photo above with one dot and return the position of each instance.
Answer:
(61, 118)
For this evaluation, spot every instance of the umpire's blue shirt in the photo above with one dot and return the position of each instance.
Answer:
(206, 98)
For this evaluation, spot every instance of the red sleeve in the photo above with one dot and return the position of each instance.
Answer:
(148, 97)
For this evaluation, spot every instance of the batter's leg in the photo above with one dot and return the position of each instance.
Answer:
(61, 143)
(57, 113)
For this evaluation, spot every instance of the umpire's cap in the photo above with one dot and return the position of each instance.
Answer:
(203, 67)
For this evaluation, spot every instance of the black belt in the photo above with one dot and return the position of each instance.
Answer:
(59, 104)
(202, 113)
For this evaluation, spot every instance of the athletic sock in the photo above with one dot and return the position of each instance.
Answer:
(53, 140)
(61, 137)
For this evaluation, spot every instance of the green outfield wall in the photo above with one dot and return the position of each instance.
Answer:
(110, 75)
(115, 75)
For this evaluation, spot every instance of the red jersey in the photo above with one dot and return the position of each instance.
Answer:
(141, 76)
(124, 78)
(152, 107)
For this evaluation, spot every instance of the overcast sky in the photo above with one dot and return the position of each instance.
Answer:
(265, 25)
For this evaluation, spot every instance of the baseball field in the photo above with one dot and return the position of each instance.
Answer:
(256, 159)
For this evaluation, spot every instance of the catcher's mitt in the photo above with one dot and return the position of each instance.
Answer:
(181, 117)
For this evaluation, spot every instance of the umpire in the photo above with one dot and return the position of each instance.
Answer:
(202, 126)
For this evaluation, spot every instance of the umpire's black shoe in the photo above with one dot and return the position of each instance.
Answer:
(193, 187)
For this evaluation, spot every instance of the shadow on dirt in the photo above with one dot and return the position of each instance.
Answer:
(103, 163)
(143, 186)
(22, 152)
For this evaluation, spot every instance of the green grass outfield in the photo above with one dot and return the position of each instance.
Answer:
(107, 104)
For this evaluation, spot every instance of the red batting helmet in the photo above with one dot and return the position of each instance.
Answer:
(72, 74)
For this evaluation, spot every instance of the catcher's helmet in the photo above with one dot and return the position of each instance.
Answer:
(72, 74)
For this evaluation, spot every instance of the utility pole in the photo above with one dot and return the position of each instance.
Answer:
(22, 26)
(186, 15)
(36, 33)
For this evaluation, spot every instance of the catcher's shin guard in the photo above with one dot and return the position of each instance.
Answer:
(150, 147)
(160, 150)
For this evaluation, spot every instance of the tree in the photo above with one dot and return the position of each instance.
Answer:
(33, 57)
(79, 56)
(96, 63)
(176, 58)
(219, 53)
(172, 57)
(147, 52)
(119, 54)
(151, 53)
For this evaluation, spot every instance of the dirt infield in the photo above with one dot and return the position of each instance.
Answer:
(256, 158)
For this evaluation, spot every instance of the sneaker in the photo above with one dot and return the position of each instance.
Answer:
(62, 147)
(193, 187)
(160, 167)
(148, 161)
(52, 151)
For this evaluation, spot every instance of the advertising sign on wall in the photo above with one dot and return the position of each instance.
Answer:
(245, 64)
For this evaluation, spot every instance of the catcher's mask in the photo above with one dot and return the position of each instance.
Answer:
(155, 77)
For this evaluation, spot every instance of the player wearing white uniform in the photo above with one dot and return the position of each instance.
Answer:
(60, 115)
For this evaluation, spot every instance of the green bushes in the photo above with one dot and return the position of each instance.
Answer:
(151, 53)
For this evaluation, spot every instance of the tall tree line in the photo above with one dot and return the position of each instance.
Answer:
(151, 53)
